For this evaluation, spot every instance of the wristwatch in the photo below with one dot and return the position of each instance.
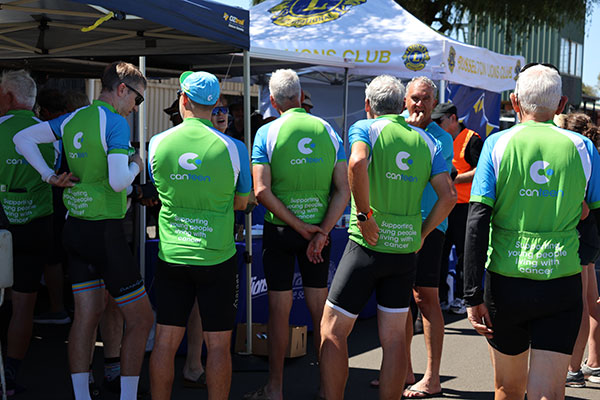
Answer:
(362, 217)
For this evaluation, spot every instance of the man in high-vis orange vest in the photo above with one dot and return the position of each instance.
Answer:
(467, 147)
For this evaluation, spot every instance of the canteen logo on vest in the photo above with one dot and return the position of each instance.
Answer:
(189, 162)
(299, 13)
(403, 162)
(17, 161)
(540, 173)
(305, 146)
(77, 143)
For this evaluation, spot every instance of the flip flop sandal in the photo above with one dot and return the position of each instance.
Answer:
(199, 383)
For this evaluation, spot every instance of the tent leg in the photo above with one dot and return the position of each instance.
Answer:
(345, 114)
(142, 128)
(247, 139)
(442, 95)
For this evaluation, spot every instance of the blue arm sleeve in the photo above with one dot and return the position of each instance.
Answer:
(483, 189)
(244, 182)
(439, 163)
(56, 123)
(341, 154)
(593, 191)
(359, 132)
(117, 133)
(259, 149)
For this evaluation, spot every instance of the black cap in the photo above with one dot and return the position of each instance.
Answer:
(174, 108)
(442, 109)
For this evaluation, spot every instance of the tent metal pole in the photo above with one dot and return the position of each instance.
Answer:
(142, 129)
(442, 95)
(345, 113)
(248, 252)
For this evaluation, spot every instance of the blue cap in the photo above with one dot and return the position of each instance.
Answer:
(201, 87)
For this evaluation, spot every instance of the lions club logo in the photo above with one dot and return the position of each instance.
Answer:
(188, 161)
(538, 172)
(451, 59)
(403, 160)
(299, 13)
(415, 57)
(517, 69)
(305, 146)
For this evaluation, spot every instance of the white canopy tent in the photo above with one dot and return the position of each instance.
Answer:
(381, 38)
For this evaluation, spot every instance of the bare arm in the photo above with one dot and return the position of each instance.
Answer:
(358, 178)
(466, 177)
(240, 202)
(262, 188)
(446, 193)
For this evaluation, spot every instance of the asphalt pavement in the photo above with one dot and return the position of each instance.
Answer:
(466, 369)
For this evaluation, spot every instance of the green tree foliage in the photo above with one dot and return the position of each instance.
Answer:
(588, 90)
(517, 16)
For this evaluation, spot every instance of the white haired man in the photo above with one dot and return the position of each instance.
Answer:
(300, 175)
(96, 139)
(27, 201)
(526, 201)
(390, 165)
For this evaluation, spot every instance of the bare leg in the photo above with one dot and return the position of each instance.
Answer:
(280, 304)
(218, 364)
(584, 328)
(21, 324)
(594, 311)
(88, 310)
(510, 375)
(547, 374)
(162, 360)
(315, 301)
(111, 328)
(138, 322)
(433, 329)
(394, 364)
(53, 275)
(193, 368)
(335, 328)
(410, 374)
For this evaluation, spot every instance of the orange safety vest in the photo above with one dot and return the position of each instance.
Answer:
(463, 190)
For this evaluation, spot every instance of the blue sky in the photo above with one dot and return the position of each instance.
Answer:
(591, 57)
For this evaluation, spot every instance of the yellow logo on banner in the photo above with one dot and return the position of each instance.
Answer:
(517, 69)
(415, 57)
(299, 13)
(451, 59)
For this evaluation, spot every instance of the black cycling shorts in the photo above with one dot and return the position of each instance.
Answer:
(429, 260)
(282, 246)
(542, 314)
(362, 270)
(98, 255)
(32, 244)
(216, 288)
(58, 254)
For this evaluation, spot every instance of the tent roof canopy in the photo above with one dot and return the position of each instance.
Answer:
(381, 38)
(53, 28)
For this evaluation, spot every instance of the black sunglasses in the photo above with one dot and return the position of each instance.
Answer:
(139, 99)
(533, 64)
(222, 110)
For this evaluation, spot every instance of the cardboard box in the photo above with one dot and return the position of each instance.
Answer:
(296, 347)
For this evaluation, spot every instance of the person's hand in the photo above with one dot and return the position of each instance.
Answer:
(66, 179)
(313, 251)
(479, 317)
(308, 231)
(369, 230)
(416, 119)
(137, 159)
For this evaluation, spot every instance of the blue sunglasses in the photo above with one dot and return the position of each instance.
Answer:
(222, 110)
